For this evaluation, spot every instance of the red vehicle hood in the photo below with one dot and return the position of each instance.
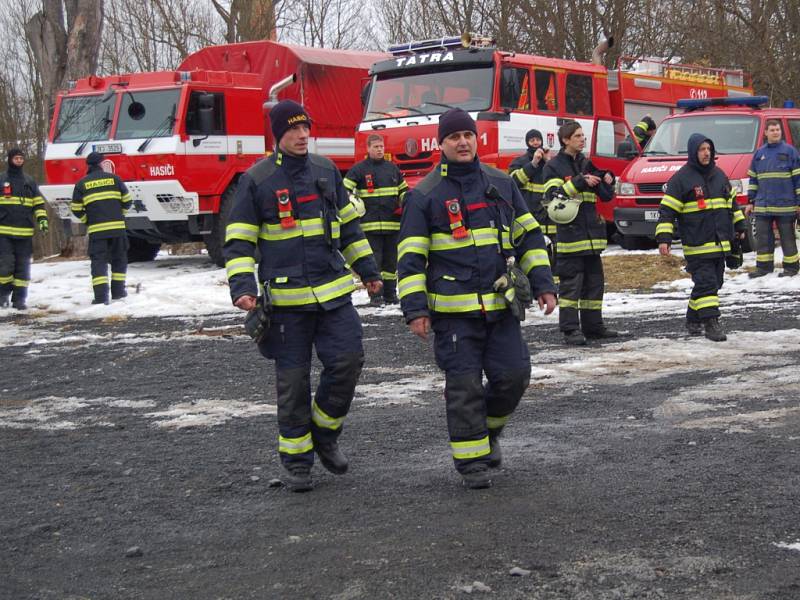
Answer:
(658, 169)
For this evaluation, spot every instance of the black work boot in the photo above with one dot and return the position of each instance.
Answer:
(758, 273)
(299, 478)
(694, 327)
(601, 334)
(787, 273)
(476, 476)
(390, 292)
(574, 338)
(496, 455)
(100, 301)
(714, 331)
(118, 290)
(18, 296)
(4, 300)
(331, 457)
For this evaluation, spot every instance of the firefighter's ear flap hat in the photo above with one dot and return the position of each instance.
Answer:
(563, 209)
(284, 115)
(12, 153)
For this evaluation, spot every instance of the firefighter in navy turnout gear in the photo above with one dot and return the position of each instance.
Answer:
(20, 205)
(774, 196)
(644, 130)
(293, 207)
(571, 178)
(528, 173)
(100, 200)
(700, 197)
(379, 184)
(462, 226)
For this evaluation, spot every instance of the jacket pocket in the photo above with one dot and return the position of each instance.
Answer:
(279, 275)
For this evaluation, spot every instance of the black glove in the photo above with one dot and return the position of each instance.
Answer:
(257, 321)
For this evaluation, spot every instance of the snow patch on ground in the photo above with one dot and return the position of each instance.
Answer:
(417, 390)
(58, 413)
(208, 413)
(795, 546)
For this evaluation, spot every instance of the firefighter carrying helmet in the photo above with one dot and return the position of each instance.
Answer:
(562, 209)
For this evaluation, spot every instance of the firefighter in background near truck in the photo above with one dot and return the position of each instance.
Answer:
(700, 197)
(380, 185)
(20, 204)
(774, 196)
(581, 241)
(100, 200)
(644, 130)
(527, 171)
(461, 226)
(293, 207)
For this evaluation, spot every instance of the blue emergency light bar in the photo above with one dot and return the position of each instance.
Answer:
(423, 45)
(697, 103)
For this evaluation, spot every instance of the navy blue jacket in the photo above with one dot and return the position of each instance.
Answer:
(774, 186)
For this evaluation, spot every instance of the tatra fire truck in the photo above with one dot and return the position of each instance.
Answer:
(737, 127)
(508, 94)
(181, 139)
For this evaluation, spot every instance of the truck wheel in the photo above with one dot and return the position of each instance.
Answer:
(142, 251)
(216, 239)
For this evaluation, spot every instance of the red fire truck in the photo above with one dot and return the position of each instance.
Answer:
(509, 93)
(181, 139)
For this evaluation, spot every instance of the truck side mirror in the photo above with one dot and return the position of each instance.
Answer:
(205, 114)
(136, 111)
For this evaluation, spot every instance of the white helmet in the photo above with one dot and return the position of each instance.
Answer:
(563, 209)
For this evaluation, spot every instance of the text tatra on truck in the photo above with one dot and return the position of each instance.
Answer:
(181, 139)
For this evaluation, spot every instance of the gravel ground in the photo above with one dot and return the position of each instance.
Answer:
(137, 460)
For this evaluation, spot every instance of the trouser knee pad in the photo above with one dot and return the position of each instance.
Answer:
(293, 388)
(466, 409)
(505, 391)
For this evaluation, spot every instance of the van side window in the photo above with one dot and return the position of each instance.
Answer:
(193, 119)
(514, 89)
(579, 94)
(546, 96)
(794, 128)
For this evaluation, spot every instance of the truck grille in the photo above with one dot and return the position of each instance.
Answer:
(651, 188)
(654, 201)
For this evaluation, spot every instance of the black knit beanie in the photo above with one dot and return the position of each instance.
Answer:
(456, 119)
(284, 115)
(94, 158)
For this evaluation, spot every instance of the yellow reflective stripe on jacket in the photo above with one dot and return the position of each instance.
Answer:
(380, 226)
(356, 250)
(520, 175)
(710, 204)
(672, 202)
(40, 213)
(458, 303)
(737, 216)
(324, 420)
(16, 231)
(534, 258)
(554, 182)
(310, 295)
(411, 284)
(707, 248)
(386, 191)
(241, 231)
(570, 189)
(296, 445)
(665, 228)
(416, 244)
(774, 175)
(107, 195)
(244, 264)
(704, 302)
(580, 246)
(16, 201)
(274, 232)
(482, 236)
(349, 184)
(534, 187)
(523, 224)
(348, 213)
(777, 209)
(471, 448)
(107, 226)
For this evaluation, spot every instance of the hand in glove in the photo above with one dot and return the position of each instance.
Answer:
(44, 225)
(358, 204)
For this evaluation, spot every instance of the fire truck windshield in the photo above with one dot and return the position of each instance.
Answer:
(144, 114)
(731, 134)
(83, 117)
(428, 93)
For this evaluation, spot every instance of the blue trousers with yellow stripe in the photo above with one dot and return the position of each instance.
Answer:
(707, 276)
(102, 251)
(336, 335)
(465, 349)
(765, 242)
(15, 267)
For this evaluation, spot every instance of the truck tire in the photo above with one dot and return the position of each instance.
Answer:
(216, 239)
(141, 250)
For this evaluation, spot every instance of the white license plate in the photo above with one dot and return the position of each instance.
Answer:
(651, 215)
(108, 148)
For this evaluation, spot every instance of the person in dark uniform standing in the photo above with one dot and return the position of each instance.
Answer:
(580, 242)
(528, 173)
(463, 226)
(644, 130)
(293, 207)
(100, 200)
(20, 204)
(700, 198)
(380, 185)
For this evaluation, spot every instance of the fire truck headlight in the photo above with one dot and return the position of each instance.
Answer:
(624, 188)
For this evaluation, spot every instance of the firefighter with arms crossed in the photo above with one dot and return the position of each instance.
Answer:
(462, 225)
(20, 204)
(379, 184)
(293, 207)
(700, 198)
(571, 178)
(774, 195)
(527, 172)
(101, 200)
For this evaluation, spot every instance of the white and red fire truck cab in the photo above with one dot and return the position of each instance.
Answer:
(736, 125)
(181, 139)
